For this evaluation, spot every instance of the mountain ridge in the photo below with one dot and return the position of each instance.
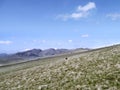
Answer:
(33, 54)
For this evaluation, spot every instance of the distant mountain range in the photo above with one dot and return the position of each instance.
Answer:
(3, 55)
(34, 54)
(41, 53)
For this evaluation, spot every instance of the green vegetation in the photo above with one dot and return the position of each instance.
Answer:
(94, 70)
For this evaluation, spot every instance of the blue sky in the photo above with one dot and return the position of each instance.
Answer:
(27, 24)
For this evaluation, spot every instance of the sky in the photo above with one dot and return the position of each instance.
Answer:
(28, 24)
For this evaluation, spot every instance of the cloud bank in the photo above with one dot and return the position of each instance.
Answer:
(5, 42)
(114, 16)
(84, 35)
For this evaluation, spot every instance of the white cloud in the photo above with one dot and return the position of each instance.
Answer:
(58, 43)
(39, 41)
(80, 12)
(114, 16)
(35, 41)
(27, 49)
(79, 15)
(70, 41)
(43, 41)
(87, 7)
(85, 35)
(5, 42)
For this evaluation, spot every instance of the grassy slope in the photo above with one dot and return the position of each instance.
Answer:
(96, 70)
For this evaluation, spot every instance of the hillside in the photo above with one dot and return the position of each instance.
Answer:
(34, 54)
(97, 69)
(29, 55)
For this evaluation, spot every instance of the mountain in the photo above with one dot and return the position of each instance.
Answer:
(3, 54)
(29, 53)
(41, 53)
(33, 54)
(97, 69)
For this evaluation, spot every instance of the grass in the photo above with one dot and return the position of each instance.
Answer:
(94, 70)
